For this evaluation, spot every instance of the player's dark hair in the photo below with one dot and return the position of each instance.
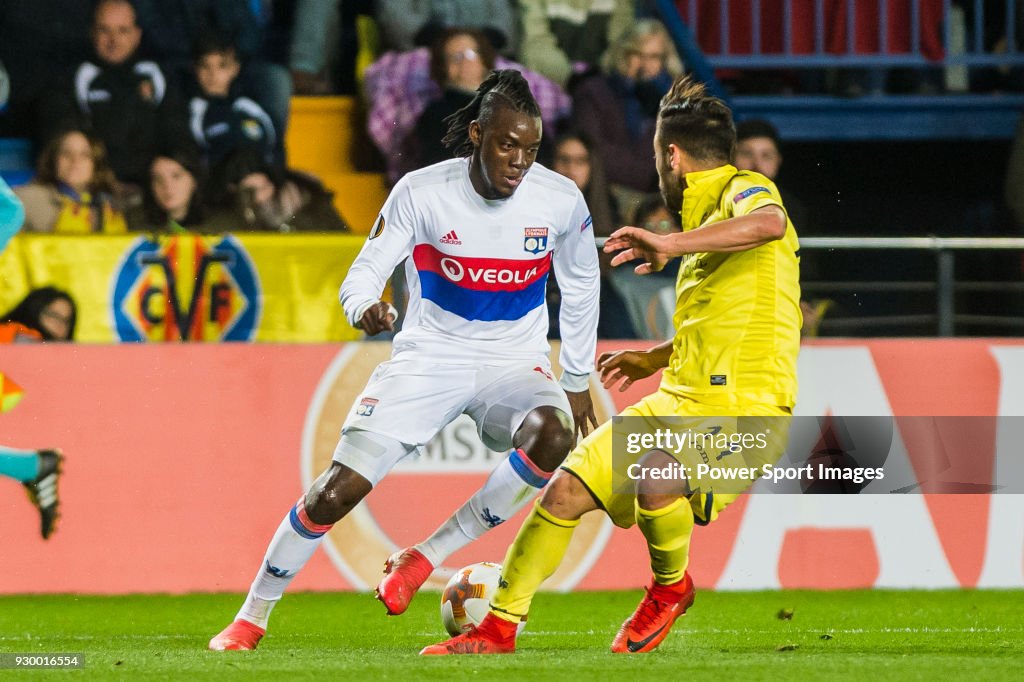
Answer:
(698, 123)
(501, 88)
(757, 127)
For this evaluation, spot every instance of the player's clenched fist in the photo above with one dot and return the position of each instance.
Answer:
(377, 318)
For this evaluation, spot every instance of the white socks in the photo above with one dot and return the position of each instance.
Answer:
(292, 546)
(512, 484)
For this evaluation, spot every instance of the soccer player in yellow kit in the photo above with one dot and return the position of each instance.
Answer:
(734, 354)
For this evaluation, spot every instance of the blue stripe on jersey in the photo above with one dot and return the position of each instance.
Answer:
(486, 306)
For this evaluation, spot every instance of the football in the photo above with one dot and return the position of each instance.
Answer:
(465, 599)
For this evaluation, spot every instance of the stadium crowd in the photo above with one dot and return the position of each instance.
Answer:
(171, 117)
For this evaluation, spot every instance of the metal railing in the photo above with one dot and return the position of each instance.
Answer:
(945, 285)
(830, 38)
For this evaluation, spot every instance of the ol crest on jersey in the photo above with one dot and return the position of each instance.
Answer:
(365, 407)
(535, 239)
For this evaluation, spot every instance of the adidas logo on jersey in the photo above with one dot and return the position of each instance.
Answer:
(451, 238)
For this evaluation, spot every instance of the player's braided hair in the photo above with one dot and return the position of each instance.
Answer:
(504, 87)
(699, 123)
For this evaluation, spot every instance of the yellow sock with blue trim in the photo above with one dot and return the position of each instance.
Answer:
(536, 553)
(668, 532)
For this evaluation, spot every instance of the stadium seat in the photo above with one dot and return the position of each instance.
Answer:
(320, 140)
(358, 197)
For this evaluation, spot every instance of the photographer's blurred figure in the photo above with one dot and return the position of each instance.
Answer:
(37, 470)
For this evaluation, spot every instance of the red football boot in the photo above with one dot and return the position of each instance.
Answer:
(239, 636)
(493, 636)
(405, 572)
(653, 618)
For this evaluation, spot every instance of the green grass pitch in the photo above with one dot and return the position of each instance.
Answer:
(763, 635)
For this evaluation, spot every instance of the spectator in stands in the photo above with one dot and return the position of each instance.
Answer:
(758, 148)
(47, 313)
(254, 195)
(221, 119)
(562, 38)
(398, 89)
(172, 200)
(171, 27)
(407, 24)
(126, 101)
(320, 65)
(618, 108)
(74, 189)
(649, 299)
(310, 51)
(575, 159)
(460, 59)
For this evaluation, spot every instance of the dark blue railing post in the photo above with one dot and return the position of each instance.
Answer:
(819, 28)
(851, 26)
(787, 27)
(1011, 26)
(979, 27)
(915, 27)
(755, 28)
(723, 26)
(883, 26)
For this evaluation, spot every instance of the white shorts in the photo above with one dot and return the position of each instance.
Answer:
(410, 399)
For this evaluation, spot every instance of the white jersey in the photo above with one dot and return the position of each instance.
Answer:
(477, 269)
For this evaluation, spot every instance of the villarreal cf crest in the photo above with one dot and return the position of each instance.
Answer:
(186, 288)
(535, 239)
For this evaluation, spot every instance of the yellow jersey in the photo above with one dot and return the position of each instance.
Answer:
(737, 316)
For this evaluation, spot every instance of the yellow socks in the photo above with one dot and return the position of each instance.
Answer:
(536, 553)
(668, 533)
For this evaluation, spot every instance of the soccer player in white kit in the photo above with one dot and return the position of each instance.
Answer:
(480, 234)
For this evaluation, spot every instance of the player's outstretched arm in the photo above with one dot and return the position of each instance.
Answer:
(390, 240)
(741, 233)
(627, 366)
(579, 278)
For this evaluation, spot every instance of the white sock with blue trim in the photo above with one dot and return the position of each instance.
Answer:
(513, 483)
(292, 546)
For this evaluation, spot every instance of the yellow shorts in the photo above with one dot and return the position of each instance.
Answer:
(608, 474)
